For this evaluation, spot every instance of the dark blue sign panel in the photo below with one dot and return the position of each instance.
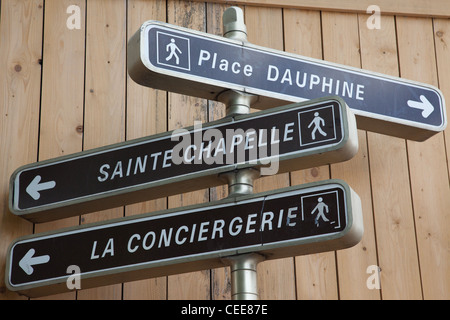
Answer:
(214, 61)
(317, 217)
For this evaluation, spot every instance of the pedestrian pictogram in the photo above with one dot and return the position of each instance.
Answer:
(321, 211)
(318, 122)
(173, 49)
(317, 126)
(320, 208)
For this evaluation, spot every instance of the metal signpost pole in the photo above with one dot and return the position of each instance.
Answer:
(244, 280)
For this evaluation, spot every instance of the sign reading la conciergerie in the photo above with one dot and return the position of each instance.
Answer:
(297, 220)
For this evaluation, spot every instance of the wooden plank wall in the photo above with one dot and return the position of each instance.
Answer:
(63, 91)
(431, 8)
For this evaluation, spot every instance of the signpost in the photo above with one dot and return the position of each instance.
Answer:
(281, 139)
(292, 221)
(241, 230)
(173, 58)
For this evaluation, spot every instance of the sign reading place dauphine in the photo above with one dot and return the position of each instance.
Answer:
(298, 220)
(176, 59)
(278, 140)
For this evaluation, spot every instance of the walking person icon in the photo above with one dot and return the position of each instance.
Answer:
(173, 49)
(320, 207)
(318, 122)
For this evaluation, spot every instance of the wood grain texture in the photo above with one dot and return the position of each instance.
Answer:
(442, 43)
(340, 30)
(20, 83)
(433, 8)
(182, 112)
(392, 201)
(281, 281)
(316, 273)
(146, 115)
(104, 113)
(220, 277)
(66, 90)
(62, 101)
(428, 166)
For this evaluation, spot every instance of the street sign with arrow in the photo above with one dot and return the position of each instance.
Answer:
(176, 59)
(311, 218)
(29, 260)
(278, 140)
(35, 187)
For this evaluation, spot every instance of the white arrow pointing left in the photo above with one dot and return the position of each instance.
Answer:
(28, 261)
(35, 187)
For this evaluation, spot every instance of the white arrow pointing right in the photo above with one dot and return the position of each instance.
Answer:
(424, 105)
(28, 261)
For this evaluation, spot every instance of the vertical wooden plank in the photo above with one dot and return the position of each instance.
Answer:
(316, 273)
(303, 33)
(220, 277)
(435, 8)
(428, 166)
(20, 52)
(276, 279)
(104, 97)
(341, 45)
(146, 115)
(442, 43)
(392, 201)
(62, 82)
(61, 129)
(182, 112)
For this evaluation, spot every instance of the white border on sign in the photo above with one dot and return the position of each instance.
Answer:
(168, 64)
(318, 194)
(180, 259)
(318, 141)
(17, 194)
(251, 47)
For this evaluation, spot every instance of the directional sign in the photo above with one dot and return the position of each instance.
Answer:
(283, 139)
(172, 58)
(298, 220)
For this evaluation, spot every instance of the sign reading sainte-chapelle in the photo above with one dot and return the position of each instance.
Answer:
(298, 220)
(173, 58)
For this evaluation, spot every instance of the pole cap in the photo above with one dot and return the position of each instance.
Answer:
(233, 24)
